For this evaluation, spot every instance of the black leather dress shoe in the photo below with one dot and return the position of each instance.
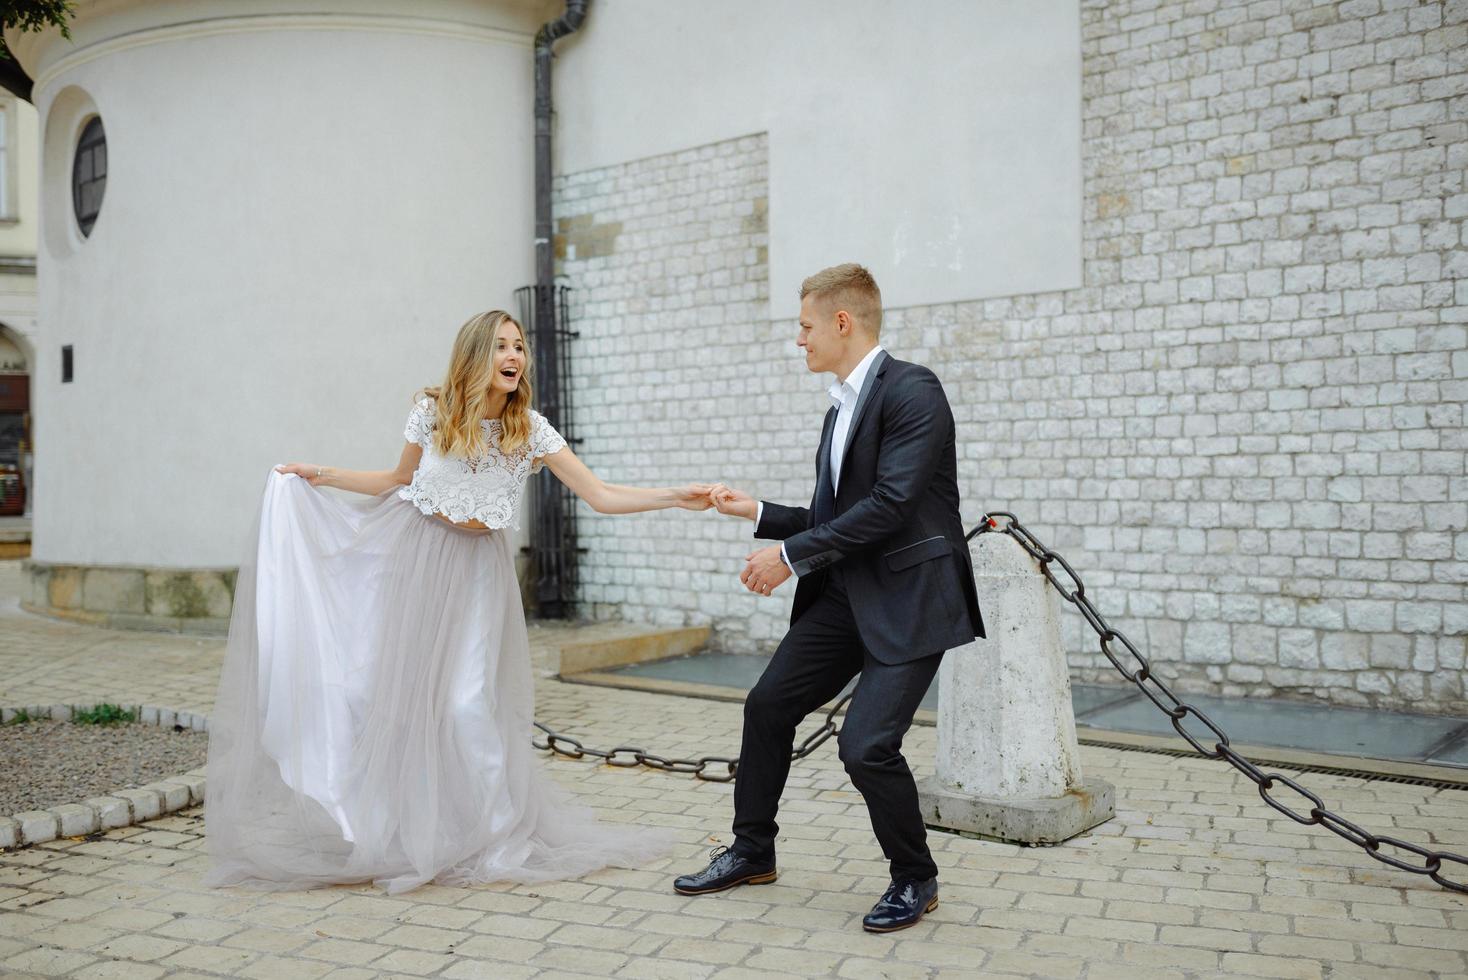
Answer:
(902, 905)
(726, 869)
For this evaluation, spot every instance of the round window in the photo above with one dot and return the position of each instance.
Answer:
(89, 175)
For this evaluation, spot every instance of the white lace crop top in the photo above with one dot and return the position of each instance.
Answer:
(485, 489)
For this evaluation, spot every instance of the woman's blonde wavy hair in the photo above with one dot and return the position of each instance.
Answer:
(462, 401)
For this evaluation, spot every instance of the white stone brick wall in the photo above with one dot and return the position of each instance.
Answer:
(1245, 430)
(668, 259)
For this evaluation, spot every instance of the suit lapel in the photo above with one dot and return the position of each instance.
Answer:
(879, 368)
(823, 455)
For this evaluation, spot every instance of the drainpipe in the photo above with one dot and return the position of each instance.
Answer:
(549, 33)
(549, 533)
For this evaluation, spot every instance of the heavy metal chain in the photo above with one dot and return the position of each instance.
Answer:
(1304, 807)
(1132, 665)
(723, 769)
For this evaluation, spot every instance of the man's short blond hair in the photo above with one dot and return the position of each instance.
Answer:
(848, 287)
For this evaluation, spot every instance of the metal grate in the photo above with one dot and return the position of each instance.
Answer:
(545, 315)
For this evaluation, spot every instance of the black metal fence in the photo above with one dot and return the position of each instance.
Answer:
(545, 314)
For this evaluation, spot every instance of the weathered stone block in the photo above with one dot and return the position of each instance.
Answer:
(1343, 651)
(39, 575)
(1388, 650)
(1297, 648)
(77, 819)
(194, 784)
(1207, 643)
(113, 590)
(174, 796)
(37, 826)
(188, 594)
(64, 587)
(146, 803)
(1051, 820)
(112, 811)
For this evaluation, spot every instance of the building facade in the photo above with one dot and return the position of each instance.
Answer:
(1244, 426)
(1192, 274)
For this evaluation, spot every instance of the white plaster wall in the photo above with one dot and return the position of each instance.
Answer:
(300, 212)
(939, 143)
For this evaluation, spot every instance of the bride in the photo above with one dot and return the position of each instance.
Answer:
(374, 711)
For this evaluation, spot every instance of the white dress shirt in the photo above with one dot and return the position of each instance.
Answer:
(844, 396)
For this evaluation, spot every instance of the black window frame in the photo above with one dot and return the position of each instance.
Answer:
(91, 147)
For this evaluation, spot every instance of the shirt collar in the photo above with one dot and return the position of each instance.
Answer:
(855, 379)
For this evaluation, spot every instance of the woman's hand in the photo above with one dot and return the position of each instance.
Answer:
(309, 472)
(695, 496)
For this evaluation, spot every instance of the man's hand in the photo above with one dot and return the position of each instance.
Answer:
(695, 496)
(765, 570)
(735, 503)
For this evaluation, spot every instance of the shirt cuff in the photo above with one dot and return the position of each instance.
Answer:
(759, 515)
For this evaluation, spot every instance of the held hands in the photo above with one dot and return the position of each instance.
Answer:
(696, 496)
(309, 472)
(735, 503)
(764, 570)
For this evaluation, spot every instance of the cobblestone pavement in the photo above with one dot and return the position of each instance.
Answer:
(1195, 877)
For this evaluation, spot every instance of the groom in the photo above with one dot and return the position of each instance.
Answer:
(886, 586)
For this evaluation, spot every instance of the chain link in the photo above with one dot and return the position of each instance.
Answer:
(1133, 665)
(711, 768)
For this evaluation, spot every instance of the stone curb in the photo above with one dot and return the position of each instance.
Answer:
(121, 808)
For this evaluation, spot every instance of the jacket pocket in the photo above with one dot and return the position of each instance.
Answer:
(914, 554)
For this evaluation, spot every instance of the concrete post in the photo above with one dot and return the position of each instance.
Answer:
(1008, 764)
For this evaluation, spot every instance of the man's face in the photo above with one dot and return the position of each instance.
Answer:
(819, 336)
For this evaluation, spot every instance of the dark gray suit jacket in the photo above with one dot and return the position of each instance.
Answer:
(896, 531)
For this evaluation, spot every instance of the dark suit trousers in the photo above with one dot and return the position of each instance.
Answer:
(818, 656)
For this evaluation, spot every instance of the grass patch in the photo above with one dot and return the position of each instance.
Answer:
(104, 714)
(21, 717)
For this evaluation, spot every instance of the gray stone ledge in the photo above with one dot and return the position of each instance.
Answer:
(121, 808)
(172, 600)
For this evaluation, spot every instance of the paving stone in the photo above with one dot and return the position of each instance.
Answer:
(47, 962)
(1108, 904)
(139, 947)
(120, 970)
(413, 962)
(1247, 964)
(73, 935)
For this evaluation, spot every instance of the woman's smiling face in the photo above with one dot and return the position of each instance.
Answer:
(509, 358)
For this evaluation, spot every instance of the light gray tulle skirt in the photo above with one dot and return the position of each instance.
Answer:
(374, 712)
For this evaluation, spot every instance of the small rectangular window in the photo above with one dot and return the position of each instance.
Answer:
(66, 364)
